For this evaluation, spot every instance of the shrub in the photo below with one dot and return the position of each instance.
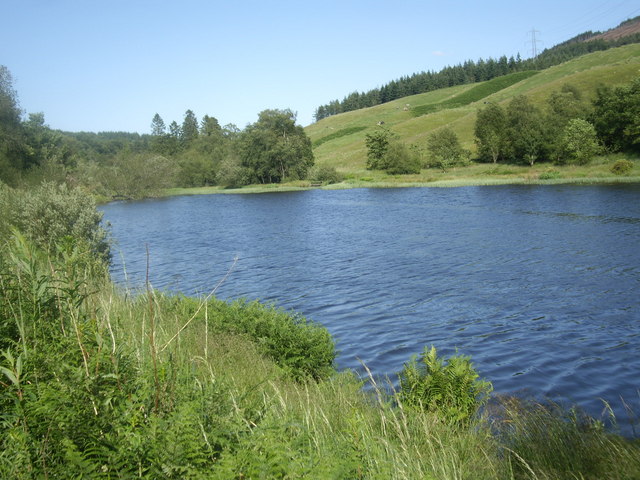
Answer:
(449, 388)
(50, 213)
(400, 160)
(622, 167)
(325, 174)
(550, 175)
(138, 175)
(303, 348)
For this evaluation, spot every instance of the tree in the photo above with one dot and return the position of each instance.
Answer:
(491, 132)
(377, 143)
(172, 141)
(616, 116)
(526, 130)
(445, 150)
(274, 148)
(46, 150)
(158, 127)
(210, 127)
(580, 142)
(161, 141)
(12, 146)
(189, 131)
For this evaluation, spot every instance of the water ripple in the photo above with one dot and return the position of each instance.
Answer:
(538, 284)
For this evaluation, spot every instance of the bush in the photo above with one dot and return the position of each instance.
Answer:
(49, 214)
(138, 175)
(400, 160)
(550, 175)
(304, 349)
(622, 167)
(325, 174)
(451, 389)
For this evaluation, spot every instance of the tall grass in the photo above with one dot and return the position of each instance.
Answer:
(100, 383)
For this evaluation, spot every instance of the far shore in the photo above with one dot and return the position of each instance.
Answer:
(399, 183)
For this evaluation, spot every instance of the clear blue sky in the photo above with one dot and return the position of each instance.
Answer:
(98, 65)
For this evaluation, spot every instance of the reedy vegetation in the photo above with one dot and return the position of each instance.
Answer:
(96, 382)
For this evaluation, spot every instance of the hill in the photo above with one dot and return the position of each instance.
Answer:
(625, 29)
(339, 140)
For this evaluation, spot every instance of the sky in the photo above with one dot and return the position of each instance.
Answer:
(110, 65)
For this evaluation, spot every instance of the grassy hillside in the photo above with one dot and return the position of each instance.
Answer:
(339, 140)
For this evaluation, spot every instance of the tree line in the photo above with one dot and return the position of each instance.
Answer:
(566, 129)
(472, 72)
(118, 164)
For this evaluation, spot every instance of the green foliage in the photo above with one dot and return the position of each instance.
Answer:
(451, 388)
(556, 442)
(491, 133)
(526, 130)
(301, 347)
(616, 116)
(622, 167)
(12, 148)
(550, 175)
(232, 173)
(135, 175)
(50, 214)
(325, 174)
(475, 94)
(189, 128)
(400, 160)
(385, 152)
(275, 149)
(579, 142)
(377, 143)
(445, 150)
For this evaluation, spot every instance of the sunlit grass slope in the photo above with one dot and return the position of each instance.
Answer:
(339, 140)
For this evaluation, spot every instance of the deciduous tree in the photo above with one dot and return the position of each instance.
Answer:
(274, 148)
(616, 116)
(491, 132)
(580, 142)
(526, 130)
(445, 150)
(377, 143)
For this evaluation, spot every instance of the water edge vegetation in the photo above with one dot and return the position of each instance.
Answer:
(98, 382)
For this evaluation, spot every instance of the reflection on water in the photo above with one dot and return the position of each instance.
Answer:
(538, 284)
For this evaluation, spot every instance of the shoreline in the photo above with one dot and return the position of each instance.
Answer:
(444, 183)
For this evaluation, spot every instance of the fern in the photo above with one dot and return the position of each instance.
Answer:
(450, 388)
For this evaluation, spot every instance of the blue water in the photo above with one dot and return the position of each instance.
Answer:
(539, 284)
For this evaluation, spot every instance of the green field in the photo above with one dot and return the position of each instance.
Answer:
(339, 140)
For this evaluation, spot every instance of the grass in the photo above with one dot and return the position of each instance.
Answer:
(97, 382)
(457, 106)
(476, 174)
(474, 94)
